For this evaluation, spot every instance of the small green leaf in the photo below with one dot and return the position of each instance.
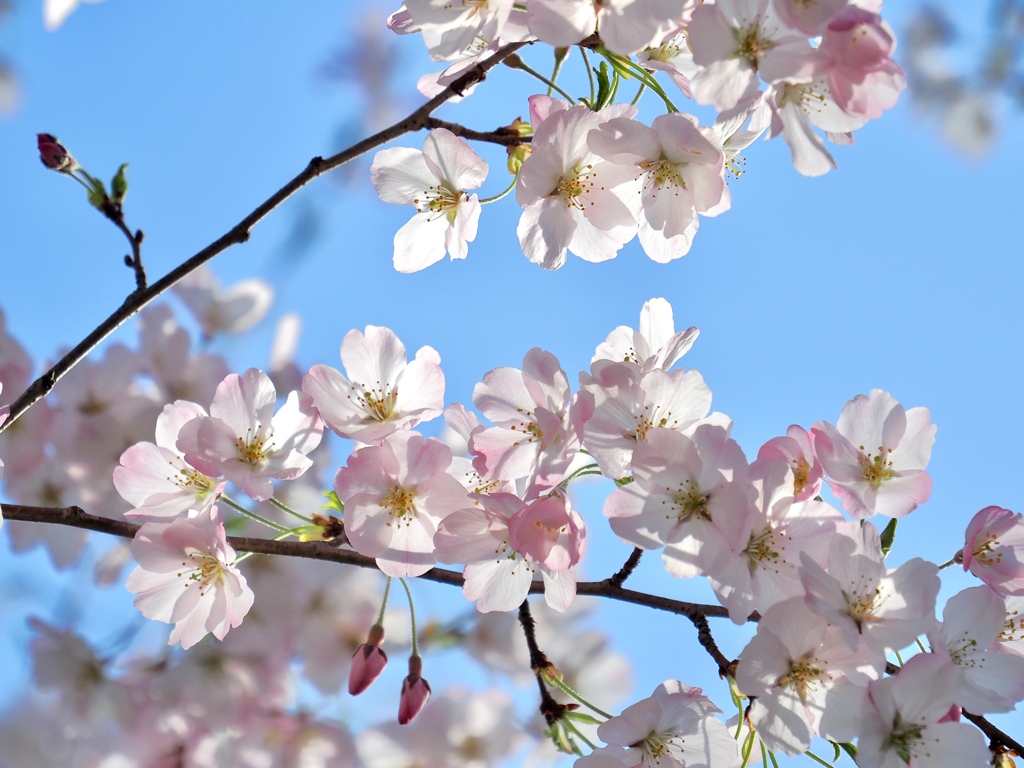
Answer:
(333, 502)
(888, 536)
(582, 717)
(119, 185)
(604, 87)
(97, 194)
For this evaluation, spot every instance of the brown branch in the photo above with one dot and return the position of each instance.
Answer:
(627, 568)
(550, 709)
(240, 232)
(76, 517)
(505, 136)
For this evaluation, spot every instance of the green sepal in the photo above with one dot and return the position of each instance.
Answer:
(333, 502)
(888, 536)
(119, 185)
(97, 192)
(582, 717)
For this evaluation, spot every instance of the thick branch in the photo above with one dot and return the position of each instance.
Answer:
(240, 232)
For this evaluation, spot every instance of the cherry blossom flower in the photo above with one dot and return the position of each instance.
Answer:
(415, 692)
(865, 601)
(679, 173)
(903, 723)
(800, 671)
(674, 727)
(971, 623)
(433, 181)
(539, 423)
(690, 495)
(156, 479)
(734, 41)
(497, 576)
(796, 448)
(625, 26)
(1011, 637)
(382, 391)
(395, 494)
(654, 345)
(166, 349)
(245, 441)
(876, 454)
(186, 577)
(779, 531)
(629, 405)
(235, 309)
(994, 550)
(569, 193)
(449, 28)
(368, 662)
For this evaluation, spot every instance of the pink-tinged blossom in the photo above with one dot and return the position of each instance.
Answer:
(156, 479)
(395, 494)
(865, 601)
(1011, 637)
(796, 448)
(673, 57)
(655, 345)
(433, 181)
(570, 194)
(629, 404)
(971, 623)
(678, 174)
(538, 421)
(802, 674)
(166, 348)
(549, 532)
(675, 727)
(809, 16)
(381, 391)
(690, 495)
(449, 28)
(799, 105)
(245, 441)
(734, 41)
(497, 576)
(875, 457)
(767, 570)
(186, 577)
(903, 723)
(857, 47)
(994, 549)
(235, 309)
(625, 26)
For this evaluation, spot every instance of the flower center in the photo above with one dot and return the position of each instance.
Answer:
(201, 570)
(530, 429)
(574, 185)
(254, 448)
(876, 467)
(398, 501)
(659, 746)
(648, 420)
(440, 200)
(987, 550)
(656, 175)
(750, 44)
(378, 401)
(688, 502)
(762, 550)
(903, 738)
(801, 474)
(802, 676)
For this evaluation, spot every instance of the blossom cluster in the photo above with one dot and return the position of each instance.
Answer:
(594, 176)
(758, 530)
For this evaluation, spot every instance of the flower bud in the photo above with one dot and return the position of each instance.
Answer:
(53, 154)
(415, 692)
(368, 662)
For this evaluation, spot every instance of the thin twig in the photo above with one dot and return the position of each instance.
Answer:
(240, 232)
(627, 568)
(549, 708)
(503, 136)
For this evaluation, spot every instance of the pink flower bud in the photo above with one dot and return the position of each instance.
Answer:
(415, 692)
(53, 154)
(368, 662)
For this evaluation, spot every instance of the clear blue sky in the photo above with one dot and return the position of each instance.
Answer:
(902, 270)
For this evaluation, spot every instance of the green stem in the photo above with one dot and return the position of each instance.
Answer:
(384, 602)
(577, 473)
(590, 74)
(951, 561)
(557, 68)
(279, 537)
(576, 731)
(412, 616)
(639, 93)
(289, 510)
(569, 691)
(551, 84)
(817, 759)
(252, 515)
(486, 200)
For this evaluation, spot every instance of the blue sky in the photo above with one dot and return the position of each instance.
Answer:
(902, 270)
